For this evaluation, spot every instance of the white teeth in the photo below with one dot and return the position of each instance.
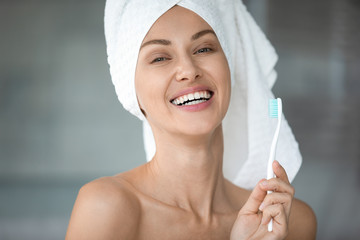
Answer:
(195, 102)
(192, 98)
(197, 95)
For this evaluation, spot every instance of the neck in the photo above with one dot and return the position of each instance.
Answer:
(193, 167)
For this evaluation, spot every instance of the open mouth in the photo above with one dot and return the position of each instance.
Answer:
(192, 98)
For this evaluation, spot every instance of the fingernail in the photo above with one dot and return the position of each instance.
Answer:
(264, 183)
(278, 163)
(261, 206)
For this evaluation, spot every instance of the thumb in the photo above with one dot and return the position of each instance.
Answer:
(255, 199)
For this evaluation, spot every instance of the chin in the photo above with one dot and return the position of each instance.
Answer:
(200, 128)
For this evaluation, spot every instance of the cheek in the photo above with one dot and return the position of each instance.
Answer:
(223, 75)
(226, 73)
(139, 88)
(143, 89)
(150, 89)
(228, 82)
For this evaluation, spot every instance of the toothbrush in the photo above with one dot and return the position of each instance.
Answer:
(275, 111)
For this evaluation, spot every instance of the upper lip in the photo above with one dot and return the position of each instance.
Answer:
(190, 90)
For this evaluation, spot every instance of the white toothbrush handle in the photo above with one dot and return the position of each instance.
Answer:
(270, 172)
(270, 226)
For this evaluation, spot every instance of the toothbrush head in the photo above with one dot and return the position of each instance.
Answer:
(275, 108)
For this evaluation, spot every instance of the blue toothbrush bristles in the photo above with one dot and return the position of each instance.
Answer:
(273, 108)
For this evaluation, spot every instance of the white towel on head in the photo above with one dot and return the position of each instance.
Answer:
(248, 130)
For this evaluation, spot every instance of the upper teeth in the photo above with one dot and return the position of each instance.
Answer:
(202, 95)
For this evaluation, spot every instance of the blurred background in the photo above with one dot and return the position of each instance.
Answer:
(61, 124)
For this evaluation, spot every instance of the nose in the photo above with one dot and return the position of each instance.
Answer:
(187, 69)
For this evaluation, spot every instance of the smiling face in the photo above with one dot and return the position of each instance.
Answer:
(182, 77)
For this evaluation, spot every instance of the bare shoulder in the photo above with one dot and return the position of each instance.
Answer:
(104, 209)
(238, 195)
(302, 224)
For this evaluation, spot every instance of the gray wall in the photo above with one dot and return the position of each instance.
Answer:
(61, 124)
(59, 112)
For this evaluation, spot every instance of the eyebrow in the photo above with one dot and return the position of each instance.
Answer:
(167, 42)
(202, 33)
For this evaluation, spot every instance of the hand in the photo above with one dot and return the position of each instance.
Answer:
(257, 212)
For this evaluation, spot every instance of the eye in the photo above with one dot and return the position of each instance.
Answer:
(158, 59)
(204, 50)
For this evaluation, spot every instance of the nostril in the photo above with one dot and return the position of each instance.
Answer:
(187, 76)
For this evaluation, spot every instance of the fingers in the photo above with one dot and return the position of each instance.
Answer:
(277, 205)
(281, 183)
(278, 198)
(280, 171)
(255, 199)
(282, 191)
(280, 220)
(277, 185)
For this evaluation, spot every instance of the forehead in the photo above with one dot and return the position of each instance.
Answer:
(175, 20)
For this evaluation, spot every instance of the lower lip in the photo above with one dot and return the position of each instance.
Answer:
(196, 107)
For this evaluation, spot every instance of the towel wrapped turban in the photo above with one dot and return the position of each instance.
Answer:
(247, 128)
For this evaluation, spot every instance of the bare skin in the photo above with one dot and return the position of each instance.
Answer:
(121, 207)
(182, 193)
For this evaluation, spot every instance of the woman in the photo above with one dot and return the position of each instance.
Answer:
(182, 192)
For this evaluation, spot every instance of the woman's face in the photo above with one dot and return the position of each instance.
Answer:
(181, 60)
